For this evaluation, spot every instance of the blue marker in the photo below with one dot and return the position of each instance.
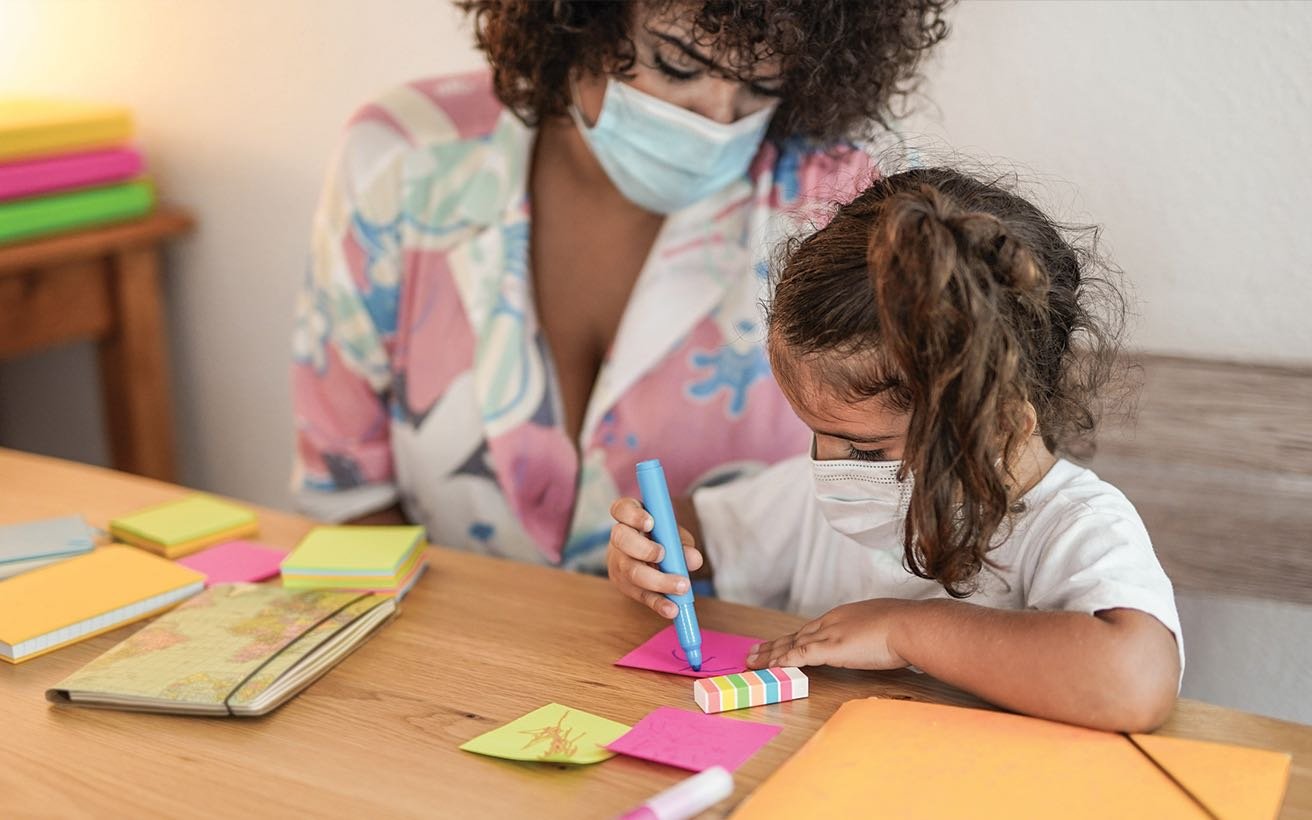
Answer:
(665, 531)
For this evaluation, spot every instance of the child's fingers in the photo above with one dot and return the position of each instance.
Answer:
(621, 575)
(635, 545)
(629, 511)
(692, 557)
(762, 653)
(659, 604)
(790, 650)
(647, 577)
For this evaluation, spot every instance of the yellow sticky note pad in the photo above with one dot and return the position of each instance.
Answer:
(177, 528)
(354, 550)
(552, 734)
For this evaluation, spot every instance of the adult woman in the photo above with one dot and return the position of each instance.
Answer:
(521, 286)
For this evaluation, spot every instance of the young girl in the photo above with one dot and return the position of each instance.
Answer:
(937, 340)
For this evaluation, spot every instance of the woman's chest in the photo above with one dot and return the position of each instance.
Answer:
(583, 266)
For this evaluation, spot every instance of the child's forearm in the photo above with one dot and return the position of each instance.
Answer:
(1116, 670)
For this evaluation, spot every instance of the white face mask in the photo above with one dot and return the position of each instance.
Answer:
(664, 157)
(863, 499)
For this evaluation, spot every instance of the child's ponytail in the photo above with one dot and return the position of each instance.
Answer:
(955, 292)
(961, 303)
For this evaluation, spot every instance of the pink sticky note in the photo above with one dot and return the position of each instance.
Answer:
(722, 654)
(693, 741)
(235, 561)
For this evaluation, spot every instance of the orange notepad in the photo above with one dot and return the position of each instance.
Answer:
(47, 608)
(893, 758)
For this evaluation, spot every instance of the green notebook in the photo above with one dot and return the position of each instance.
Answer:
(27, 218)
(354, 551)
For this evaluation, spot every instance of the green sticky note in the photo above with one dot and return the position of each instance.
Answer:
(553, 734)
(187, 519)
(353, 551)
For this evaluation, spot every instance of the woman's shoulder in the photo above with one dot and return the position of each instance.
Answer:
(429, 137)
(805, 172)
(432, 111)
(421, 119)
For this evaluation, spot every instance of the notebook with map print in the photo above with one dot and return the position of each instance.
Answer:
(235, 649)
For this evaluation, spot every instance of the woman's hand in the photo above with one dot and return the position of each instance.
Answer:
(852, 636)
(631, 559)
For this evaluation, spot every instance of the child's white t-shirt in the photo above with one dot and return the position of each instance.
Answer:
(1079, 546)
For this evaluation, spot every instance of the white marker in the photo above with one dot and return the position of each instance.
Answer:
(687, 799)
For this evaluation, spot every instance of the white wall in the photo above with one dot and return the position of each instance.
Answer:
(238, 104)
(1184, 127)
(1247, 654)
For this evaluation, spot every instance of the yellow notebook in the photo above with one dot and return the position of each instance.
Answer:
(38, 127)
(47, 608)
(893, 758)
(178, 528)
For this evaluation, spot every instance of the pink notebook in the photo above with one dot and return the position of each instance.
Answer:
(60, 173)
(235, 562)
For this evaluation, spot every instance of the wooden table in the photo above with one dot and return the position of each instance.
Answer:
(479, 642)
(102, 285)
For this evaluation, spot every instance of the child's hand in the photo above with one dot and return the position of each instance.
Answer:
(852, 636)
(631, 559)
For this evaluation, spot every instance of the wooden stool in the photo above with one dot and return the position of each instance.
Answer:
(102, 285)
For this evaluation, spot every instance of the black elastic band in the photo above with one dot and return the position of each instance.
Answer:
(296, 640)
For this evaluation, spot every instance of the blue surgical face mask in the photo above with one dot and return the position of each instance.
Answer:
(664, 157)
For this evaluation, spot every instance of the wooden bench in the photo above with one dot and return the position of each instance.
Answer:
(1218, 461)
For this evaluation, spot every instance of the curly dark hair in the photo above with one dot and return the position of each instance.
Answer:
(957, 301)
(844, 62)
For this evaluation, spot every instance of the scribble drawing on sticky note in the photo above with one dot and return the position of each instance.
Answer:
(552, 733)
(710, 665)
(722, 654)
(557, 737)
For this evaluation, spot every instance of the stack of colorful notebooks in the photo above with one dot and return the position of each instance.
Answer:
(368, 559)
(67, 165)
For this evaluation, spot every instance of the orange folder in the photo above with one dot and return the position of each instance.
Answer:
(893, 758)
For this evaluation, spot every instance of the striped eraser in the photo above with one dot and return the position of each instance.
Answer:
(754, 688)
